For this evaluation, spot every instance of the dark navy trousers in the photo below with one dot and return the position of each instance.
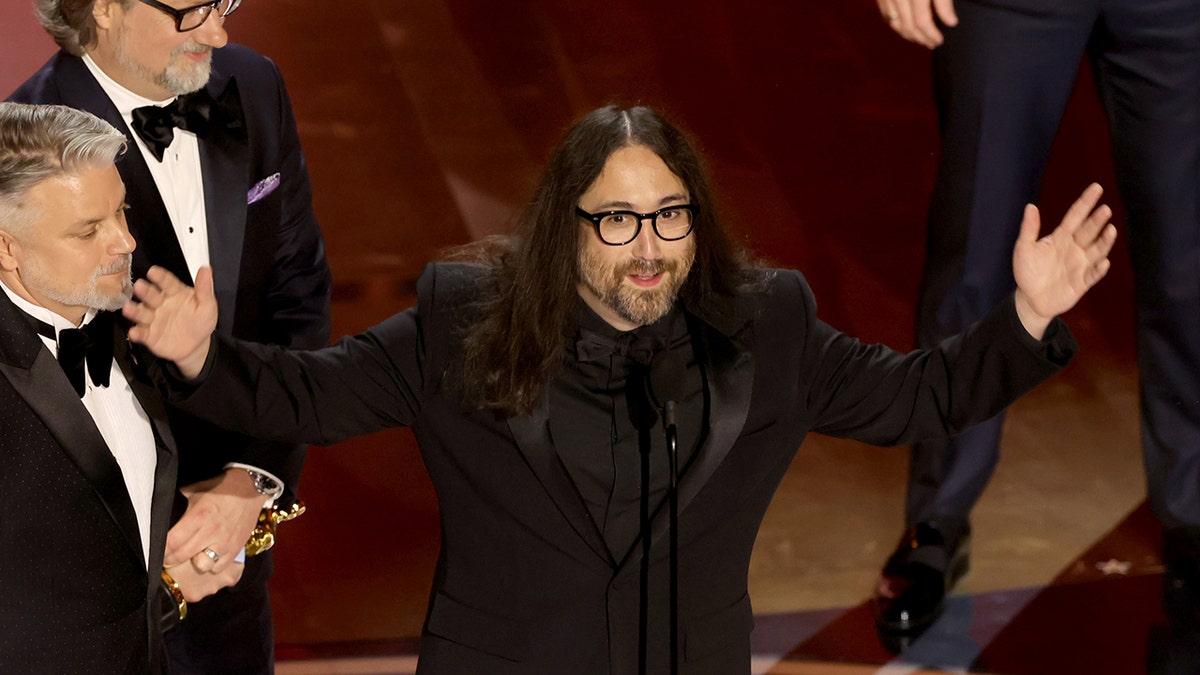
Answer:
(1002, 79)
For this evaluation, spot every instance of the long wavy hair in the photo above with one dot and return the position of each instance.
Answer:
(517, 345)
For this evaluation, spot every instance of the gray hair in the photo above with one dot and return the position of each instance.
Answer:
(44, 141)
(70, 22)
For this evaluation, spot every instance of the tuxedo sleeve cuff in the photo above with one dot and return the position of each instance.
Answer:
(179, 387)
(1057, 346)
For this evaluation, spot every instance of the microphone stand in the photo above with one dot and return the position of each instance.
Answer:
(644, 572)
(672, 434)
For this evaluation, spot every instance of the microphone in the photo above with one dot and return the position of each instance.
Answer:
(667, 372)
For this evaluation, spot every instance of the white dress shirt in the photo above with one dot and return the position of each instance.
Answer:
(177, 176)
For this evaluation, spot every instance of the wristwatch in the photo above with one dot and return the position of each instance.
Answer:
(266, 486)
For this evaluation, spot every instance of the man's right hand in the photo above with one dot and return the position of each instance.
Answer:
(172, 319)
(913, 19)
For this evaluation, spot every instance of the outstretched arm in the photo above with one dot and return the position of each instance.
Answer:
(914, 21)
(173, 320)
(1054, 272)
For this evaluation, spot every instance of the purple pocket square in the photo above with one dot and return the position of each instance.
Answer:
(262, 188)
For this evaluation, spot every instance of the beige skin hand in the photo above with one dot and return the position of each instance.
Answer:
(913, 20)
(1055, 271)
(221, 514)
(197, 585)
(173, 320)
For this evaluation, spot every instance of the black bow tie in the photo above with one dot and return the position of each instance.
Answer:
(92, 343)
(593, 346)
(196, 112)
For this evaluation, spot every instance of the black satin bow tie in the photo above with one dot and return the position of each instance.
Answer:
(593, 346)
(93, 344)
(196, 112)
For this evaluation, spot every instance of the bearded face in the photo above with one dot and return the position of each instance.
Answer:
(635, 283)
(624, 287)
(75, 252)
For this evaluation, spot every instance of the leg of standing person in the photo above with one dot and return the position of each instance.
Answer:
(1002, 80)
(1146, 57)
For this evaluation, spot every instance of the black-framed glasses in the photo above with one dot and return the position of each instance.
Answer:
(191, 18)
(617, 228)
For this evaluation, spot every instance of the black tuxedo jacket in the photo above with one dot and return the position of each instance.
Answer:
(75, 595)
(268, 257)
(525, 583)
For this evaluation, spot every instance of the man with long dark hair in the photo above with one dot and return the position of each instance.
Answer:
(535, 370)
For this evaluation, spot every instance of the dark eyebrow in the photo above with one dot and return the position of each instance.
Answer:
(679, 198)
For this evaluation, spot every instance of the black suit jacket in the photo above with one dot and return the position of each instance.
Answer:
(75, 595)
(268, 257)
(525, 583)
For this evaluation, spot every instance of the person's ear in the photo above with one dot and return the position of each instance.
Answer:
(102, 12)
(8, 257)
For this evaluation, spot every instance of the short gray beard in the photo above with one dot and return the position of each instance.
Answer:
(180, 76)
(91, 296)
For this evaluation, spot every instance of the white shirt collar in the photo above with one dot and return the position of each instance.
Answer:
(38, 312)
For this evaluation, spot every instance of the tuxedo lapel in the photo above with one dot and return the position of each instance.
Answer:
(38, 379)
(727, 365)
(147, 217)
(225, 167)
(532, 435)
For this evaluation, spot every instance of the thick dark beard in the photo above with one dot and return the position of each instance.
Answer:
(636, 305)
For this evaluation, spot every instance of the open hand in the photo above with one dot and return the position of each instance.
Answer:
(172, 319)
(1054, 272)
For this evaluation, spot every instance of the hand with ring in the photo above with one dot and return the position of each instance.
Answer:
(206, 560)
(914, 20)
(221, 514)
(196, 585)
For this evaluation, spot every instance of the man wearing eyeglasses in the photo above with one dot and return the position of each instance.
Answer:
(607, 401)
(215, 176)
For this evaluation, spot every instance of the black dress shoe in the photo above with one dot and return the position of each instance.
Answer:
(912, 589)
